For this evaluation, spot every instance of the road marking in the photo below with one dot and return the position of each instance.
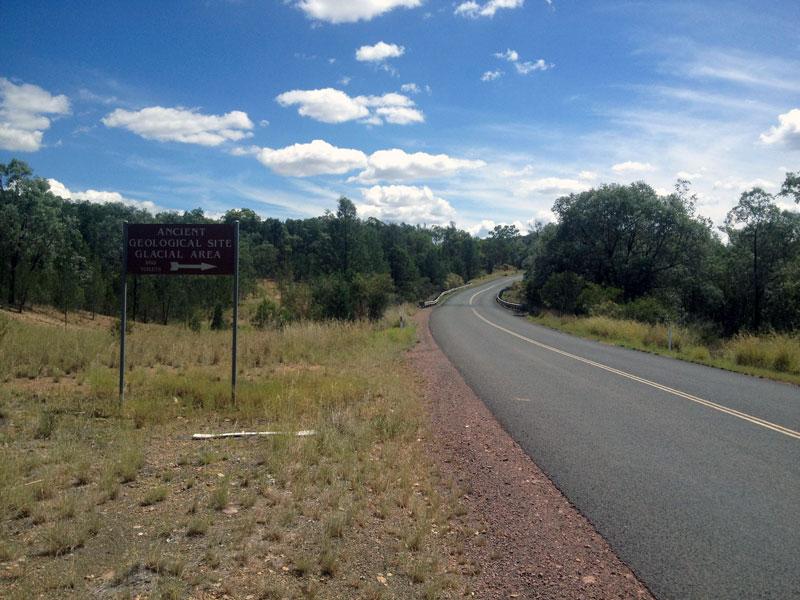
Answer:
(523, 399)
(707, 403)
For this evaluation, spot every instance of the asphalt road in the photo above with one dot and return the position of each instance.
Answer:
(692, 474)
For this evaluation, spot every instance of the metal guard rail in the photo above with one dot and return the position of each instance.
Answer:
(428, 303)
(506, 303)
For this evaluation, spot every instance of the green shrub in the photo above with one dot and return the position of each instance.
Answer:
(594, 295)
(372, 294)
(217, 318)
(268, 314)
(332, 298)
(646, 310)
(453, 280)
(562, 291)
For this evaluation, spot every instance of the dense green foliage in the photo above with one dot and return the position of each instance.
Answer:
(621, 251)
(69, 253)
(625, 251)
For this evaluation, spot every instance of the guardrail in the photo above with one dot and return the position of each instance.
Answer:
(506, 303)
(428, 303)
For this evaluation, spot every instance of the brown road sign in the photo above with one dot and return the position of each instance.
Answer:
(181, 249)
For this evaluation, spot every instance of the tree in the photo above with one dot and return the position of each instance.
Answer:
(30, 229)
(760, 240)
(791, 186)
(562, 291)
(624, 237)
(502, 247)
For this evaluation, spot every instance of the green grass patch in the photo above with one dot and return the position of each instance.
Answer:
(774, 356)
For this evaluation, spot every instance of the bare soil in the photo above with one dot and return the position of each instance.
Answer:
(528, 539)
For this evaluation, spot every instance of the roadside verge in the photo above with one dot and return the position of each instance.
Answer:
(529, 541)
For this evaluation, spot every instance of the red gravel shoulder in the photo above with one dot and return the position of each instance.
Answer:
(532, 542)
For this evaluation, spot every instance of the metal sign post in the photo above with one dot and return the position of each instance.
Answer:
(179, 249)
(235, 309)
(123, 309)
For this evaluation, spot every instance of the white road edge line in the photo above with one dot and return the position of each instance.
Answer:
(707, 403)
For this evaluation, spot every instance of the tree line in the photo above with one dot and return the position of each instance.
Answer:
(619, 250)
(68, 254)
(625, 251)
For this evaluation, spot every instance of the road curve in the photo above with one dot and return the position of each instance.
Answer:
(691, 473)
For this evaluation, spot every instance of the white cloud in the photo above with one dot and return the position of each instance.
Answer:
(483, 228)
(491, 75)
(410, 88)
(633, 166)
(182, 125)
(315, 158)
(688, 176)
(523, 68)
(334, 106)
(398, 165)
(587, 175)
(474, 10)
(786, 132)
(245, 150)
(379, 52)
(98, 197)
(338, 11)
(523, 172)
(550, 185)
(406, 204)
(740, 185)
(509, 55)
(22, 110)
(400, 115)
(327, 105)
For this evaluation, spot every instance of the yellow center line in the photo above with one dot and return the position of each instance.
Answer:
(707, 403)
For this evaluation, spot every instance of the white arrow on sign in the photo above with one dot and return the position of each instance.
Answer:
(174, 266)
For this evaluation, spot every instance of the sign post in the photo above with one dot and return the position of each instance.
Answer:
(123, 317)
(235, 309)
(179, 249)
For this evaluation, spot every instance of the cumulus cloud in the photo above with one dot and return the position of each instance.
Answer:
(587, 175)
(688, 176)
(22, 110)
(786, 132)
(550, 185)
(187, 126)
(330, 105)
(379, 52)
(523, 67)
(98, 197)
(473, 10)
(398, 165)
(336, 11)
(410, 88)
(632, 166)
(406, 204)
(315, 158)
(483, 228)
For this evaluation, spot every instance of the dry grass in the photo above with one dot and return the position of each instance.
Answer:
(98, 501)
(774, 356)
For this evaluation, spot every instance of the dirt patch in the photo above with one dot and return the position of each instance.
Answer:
(528, 539)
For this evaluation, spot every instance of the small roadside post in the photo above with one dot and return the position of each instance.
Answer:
(179, 249)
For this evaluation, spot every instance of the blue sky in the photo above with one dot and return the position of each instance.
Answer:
(478, 112)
